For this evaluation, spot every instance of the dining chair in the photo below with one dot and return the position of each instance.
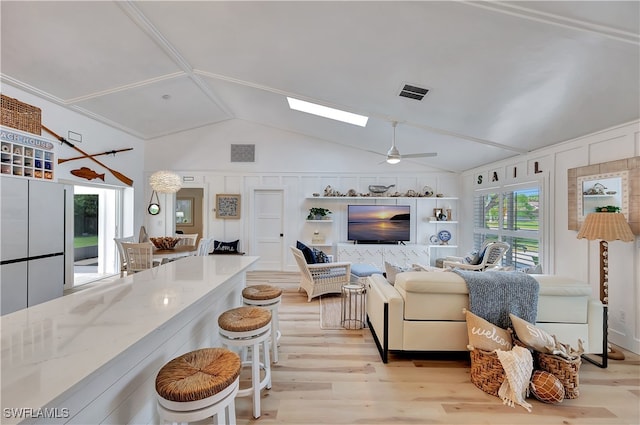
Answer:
(121, 253)
(204, 246)
(187, 238)
(139, 256)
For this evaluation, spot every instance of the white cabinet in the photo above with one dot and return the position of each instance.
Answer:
(376, 255)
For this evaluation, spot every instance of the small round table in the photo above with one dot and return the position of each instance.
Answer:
(353, 306)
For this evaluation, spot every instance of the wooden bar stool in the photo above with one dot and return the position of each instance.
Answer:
(198, 385)
(247, 328)
(269, 297)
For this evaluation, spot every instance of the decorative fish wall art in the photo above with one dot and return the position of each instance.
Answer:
(87, 173)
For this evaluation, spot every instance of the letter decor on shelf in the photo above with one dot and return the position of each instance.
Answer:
(124, 179)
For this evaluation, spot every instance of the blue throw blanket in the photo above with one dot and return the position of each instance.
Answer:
(495, 294)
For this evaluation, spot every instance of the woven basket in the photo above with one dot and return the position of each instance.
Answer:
(486, 371)
(565, 370)
(20, 115)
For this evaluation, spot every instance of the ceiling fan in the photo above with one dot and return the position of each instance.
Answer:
(393, 155)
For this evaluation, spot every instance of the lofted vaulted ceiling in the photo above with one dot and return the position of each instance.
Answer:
(505, 78)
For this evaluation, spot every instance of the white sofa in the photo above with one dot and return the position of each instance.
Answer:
(423, 311)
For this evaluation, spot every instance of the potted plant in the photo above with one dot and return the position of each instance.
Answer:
(317, 213)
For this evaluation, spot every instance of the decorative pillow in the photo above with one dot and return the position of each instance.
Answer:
(472, 258)
(534, 270)
(486, 336)
(391, 271)
(546, 387)
(225, 247)
(422, 268)
(320, 256)
(532, 336)
(307, 252)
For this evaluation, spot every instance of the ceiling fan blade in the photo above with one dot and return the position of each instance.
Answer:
(420, 155)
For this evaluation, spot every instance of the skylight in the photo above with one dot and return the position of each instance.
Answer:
(325, 111)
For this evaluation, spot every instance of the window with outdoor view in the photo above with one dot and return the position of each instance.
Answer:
(511, 216)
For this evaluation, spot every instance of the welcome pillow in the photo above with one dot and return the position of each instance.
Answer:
(532, 336)
(486, 336)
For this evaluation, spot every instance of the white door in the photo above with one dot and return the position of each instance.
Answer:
(268, 240)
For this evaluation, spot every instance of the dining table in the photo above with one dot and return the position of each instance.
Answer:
(174, 253)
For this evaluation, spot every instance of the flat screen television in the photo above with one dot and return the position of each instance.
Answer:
(379, 223)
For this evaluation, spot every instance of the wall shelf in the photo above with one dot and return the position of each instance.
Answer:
(319, 221)
(404, 198)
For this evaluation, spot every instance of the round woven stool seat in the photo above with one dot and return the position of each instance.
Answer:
(243, 319)
(268, 297)
(261, 292)
(198, 375)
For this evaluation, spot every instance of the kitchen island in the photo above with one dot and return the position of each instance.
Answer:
(91, 357)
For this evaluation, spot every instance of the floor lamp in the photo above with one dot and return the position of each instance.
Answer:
(605, 226)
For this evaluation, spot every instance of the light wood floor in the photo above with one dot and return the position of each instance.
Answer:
(337, 377)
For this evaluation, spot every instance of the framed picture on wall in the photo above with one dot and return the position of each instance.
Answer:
(228, 206)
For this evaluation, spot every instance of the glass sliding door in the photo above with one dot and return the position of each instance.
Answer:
(96, 216)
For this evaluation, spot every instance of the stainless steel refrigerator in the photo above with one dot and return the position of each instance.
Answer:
(31, 242)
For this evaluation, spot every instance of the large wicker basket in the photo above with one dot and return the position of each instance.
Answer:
(486, 371)
(20, 115)
(565, 370)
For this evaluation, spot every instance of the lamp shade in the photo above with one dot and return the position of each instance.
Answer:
(606, 226)
(165, 182)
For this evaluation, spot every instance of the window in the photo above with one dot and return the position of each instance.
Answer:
(511, 215)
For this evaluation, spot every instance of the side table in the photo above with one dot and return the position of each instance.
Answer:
(353, 306)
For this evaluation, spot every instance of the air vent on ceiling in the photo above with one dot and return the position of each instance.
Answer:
(413, 92)
(243, 153)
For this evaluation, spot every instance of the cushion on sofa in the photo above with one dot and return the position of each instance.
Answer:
(532, 336)
(390, 271)
(486, 336)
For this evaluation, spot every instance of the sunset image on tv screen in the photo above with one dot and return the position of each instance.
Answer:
(379, 223)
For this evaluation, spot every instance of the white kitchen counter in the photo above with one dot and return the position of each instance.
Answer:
(92, 356)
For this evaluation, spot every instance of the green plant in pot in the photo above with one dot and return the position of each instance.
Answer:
(317, 213)
(608, 208)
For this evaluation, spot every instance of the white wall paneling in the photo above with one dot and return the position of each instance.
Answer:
(568, 255)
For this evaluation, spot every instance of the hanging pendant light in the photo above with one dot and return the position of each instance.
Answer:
(165, 182)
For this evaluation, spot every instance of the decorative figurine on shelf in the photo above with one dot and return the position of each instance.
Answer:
(329, 191)
(318, 213)
(444, 236)
(379, 190)
(317, 237)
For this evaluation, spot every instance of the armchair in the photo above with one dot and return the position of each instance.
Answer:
(491, 253)
(321, 278)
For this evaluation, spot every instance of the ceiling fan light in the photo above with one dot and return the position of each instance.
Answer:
(393, 159)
